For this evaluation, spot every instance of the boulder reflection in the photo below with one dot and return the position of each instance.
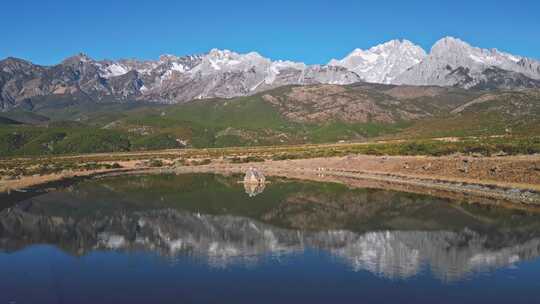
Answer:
(253, 190)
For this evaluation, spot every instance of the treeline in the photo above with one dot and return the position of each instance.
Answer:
(29, 140)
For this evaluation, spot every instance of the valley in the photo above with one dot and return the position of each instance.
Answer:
(223, 111)
(270, 152)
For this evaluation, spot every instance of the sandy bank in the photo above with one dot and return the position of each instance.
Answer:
(500, 180)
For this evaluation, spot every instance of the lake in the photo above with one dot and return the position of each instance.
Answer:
(203, 238)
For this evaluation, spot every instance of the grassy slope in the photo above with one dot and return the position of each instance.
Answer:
(6, 121)
(248, 121)
(25, 117)
(517, 114)
(29, 140)
(200, 122)
(253, 121)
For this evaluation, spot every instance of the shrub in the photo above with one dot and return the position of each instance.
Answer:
(156, 142)
(93, 141)
(248, 159)
(155, 163)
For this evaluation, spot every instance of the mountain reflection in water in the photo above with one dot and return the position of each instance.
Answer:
(391, 234)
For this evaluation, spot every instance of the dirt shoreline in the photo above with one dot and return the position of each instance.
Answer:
(498, 180)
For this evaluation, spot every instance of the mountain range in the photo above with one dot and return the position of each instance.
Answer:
(225, 74)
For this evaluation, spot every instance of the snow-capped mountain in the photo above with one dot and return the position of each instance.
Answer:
(223, 73)
(453, 62)
(384, 62)
(219, 73)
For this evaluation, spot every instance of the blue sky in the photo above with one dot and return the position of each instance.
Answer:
(312, 31)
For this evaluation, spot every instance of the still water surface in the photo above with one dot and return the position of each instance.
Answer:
(205, 239)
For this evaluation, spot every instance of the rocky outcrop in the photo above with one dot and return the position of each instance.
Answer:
(323, 103)
(254, 176)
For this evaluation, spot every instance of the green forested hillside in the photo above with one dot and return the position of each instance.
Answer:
(289, 115)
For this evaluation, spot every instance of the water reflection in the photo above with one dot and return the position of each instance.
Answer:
(387, 233)
(254, 189)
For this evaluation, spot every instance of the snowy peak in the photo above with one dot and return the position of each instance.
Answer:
(218, 73)
(459, 52)
(168, 58)
(446, 44)
(226, 60)
(382, 63)
(230, 55)
(395, 44)
(453, 62)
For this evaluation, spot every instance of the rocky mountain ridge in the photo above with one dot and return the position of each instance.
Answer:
(384, 62)
(225, 74)
(171, 79)
(453, 62)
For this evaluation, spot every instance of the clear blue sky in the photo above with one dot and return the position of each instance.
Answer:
(313, 31)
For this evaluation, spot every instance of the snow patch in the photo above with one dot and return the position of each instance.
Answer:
(214, 65)
(177, 67)
(114, 70)
(478, 59)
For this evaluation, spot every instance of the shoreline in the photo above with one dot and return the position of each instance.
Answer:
(401, 173)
